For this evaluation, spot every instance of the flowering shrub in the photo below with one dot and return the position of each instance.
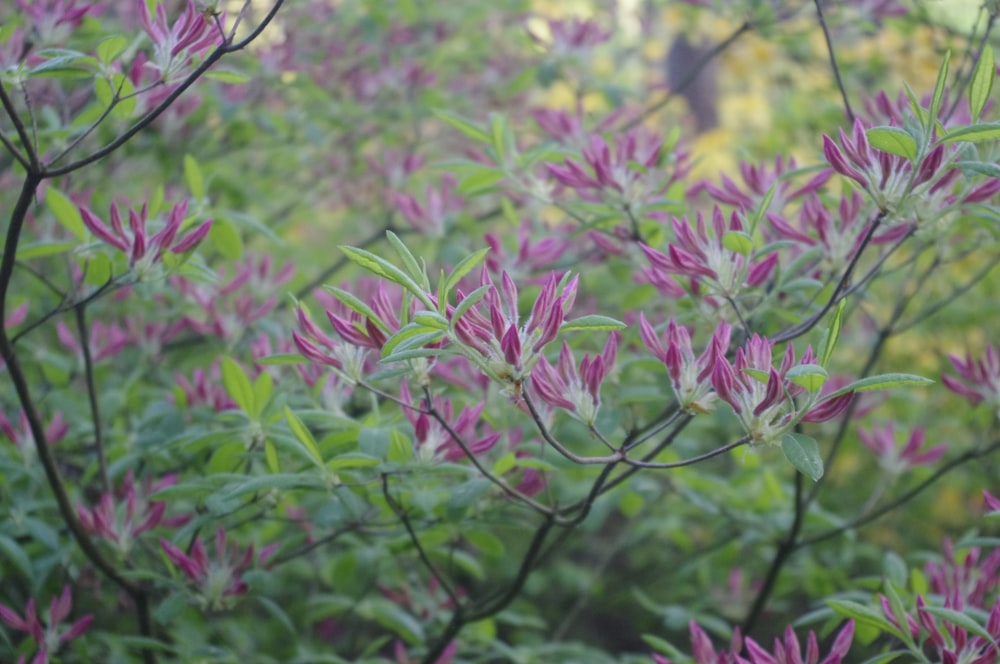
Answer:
(415, 333)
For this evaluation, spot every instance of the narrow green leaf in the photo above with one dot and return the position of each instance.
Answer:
(970, 168)
(862, 614)
(281, 358)
(881, 382)
(262, 390)
(464, 267)
(465, 126)
(808, 376)
(738, 241)
(961, 620)
(193, 177)
(13, 552)
(833, 334)
(894, 141)
(356, 305)
(39, 249)
(942, 80)
(757, 374)
(592, 322)
(227, 76)
(400, 447)
(898, 610)
(409, 261)
(977, 133)
(271, 456)
(303, 434)
(65, 212)
(111, 48)
(981, 84)
(431, 319)
(504, 464)
(98, 270)
(386, 270)
(352, 460)
(469, 301)
(238, 386)
(765, 204)
(803, 453)
(227, 239)
(398, 355)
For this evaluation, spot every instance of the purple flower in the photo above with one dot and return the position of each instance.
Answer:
(992, 502)
(433, 440)
(949, 643)
(176, 46)
(965, 581)
(980, 379)
(763, 398)
(217, 582)
(757, 181)
(53, 20)
(700, 253)
(576, 390)
(430, 217)
(690, 377)
(894, 459)
(572, 35)
(145, 251)
(788, 650)
(104, 341)
(122, 517)
(48, 638)
(492, 336)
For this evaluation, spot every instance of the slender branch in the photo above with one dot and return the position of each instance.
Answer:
(400, 513)
(95, 411)
(904, 498)
(154, 113)
(833, 61)
(12, 149)
(785, 549)
(950, 299)
(693, 460)
(835, 297)
(22, 132)
(559, 447)
(506, 488)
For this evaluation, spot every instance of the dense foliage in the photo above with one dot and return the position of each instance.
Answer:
(402, 331)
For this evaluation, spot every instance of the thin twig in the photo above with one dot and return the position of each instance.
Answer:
(833, 61)
(95, 411)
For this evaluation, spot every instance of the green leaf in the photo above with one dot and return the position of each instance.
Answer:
(238, 385)
(193, 177)
(464, 267)
(13, 552)
(970, 168)
(117, 92)
(898, 611)
(592, 322)
(414, 333)
(881, 382)
(938, 98)
(409, 261)
(862, 614)
(39, 249)
(400, 447)
(479, 180)
(977, 133)
(465, 126)
(357, 306)
(386, 270)
(111, 48)
(262, 389)
(803, 453)
(227, 239)
(504, 464)
(280, 359)
(738, 241)
(894, 141)
(303, 434)
(98, 270)
(271, 456)
(762, 209)
(352, 460)
(885, 658)
(833, 334)
(961, 620)
(981, 84)
(809, 376)
(469, 301)
(431, 319)
(65, 212)
(227, 76)
(757, 374)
